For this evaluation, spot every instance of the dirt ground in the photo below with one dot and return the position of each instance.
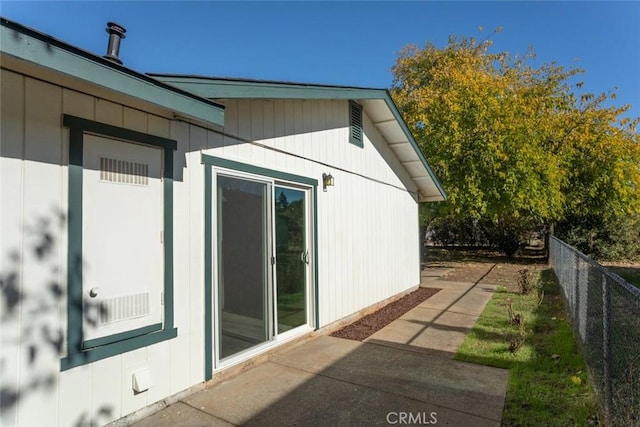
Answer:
(484, 266)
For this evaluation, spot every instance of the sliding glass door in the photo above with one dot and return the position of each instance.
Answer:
(263, 259)
(292, 257)
(243, 273)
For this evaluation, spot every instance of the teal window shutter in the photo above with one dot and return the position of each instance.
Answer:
(355, 124)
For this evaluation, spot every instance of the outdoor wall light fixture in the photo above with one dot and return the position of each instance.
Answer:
(327, 181)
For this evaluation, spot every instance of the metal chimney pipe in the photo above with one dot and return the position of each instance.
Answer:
(116, 33)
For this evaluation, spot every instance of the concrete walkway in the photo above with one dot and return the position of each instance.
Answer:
(403, 374)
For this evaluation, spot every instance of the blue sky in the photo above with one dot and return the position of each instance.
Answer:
(345, 43)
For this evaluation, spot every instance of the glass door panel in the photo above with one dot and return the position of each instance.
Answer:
(292, 258)
(243, 254)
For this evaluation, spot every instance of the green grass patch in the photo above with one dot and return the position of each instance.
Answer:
(548, 382)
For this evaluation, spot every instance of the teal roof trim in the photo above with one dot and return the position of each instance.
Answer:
(45, 51)
(254, 89)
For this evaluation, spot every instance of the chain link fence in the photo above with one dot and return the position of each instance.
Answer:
(604, 310)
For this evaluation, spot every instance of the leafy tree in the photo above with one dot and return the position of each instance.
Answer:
(512, 143)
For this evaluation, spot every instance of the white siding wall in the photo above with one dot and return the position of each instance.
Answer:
(33, 185)
(367, 231)
(368, 241)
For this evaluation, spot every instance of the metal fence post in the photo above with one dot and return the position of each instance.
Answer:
(606, 344)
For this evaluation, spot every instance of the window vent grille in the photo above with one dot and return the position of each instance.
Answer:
(123, 171)
(355, 124)
(124, 308)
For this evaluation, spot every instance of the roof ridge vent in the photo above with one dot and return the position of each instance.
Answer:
(116, 33)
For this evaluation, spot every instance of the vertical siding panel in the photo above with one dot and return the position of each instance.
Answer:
(246, 151)
(255, 125)
(327, 126)
(214, 140)
(322, 247)
(396, 217)
(180, 359)
(108, 112)
(135, 120)
(332, 301)
(341, 142)
(230, 128)
(75, 396)
(11, 190)
(386, 236)
(107, 386)
(314, 130)
(289, 121)
(12, 118)
(306, 126)
(159, 355)
(257, 130)
(371, 282)
(367, 225)
(196, 252)
(333, 123)
(377, 232)
(41, 197)
(341, 259)
(320, 135)
(298, 130)
(131, 362)
(78, 104)
(329, 301)
(278, 125)
(345, 259)
(75, 387)
(360, 255)
(324, 252)
(353, 213)
(268, 136)
(159, 360)
(106, 390)
(337, 140)
(158, 126)
(352, 210)
(391, 250)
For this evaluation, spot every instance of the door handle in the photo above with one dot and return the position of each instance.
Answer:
(305, 257)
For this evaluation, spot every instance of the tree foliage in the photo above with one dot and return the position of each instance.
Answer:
(512, 142)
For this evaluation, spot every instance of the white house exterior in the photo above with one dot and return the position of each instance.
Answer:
(156, 230)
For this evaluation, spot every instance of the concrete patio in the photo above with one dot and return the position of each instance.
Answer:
(403, 374)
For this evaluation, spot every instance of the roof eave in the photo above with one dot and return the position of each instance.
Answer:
(396, 113)
(233, 88)
(41, 50)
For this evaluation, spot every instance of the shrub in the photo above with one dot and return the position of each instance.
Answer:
(617, 238)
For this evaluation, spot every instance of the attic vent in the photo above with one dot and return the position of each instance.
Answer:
(123, 171)
(355, 124)
(124, 308)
